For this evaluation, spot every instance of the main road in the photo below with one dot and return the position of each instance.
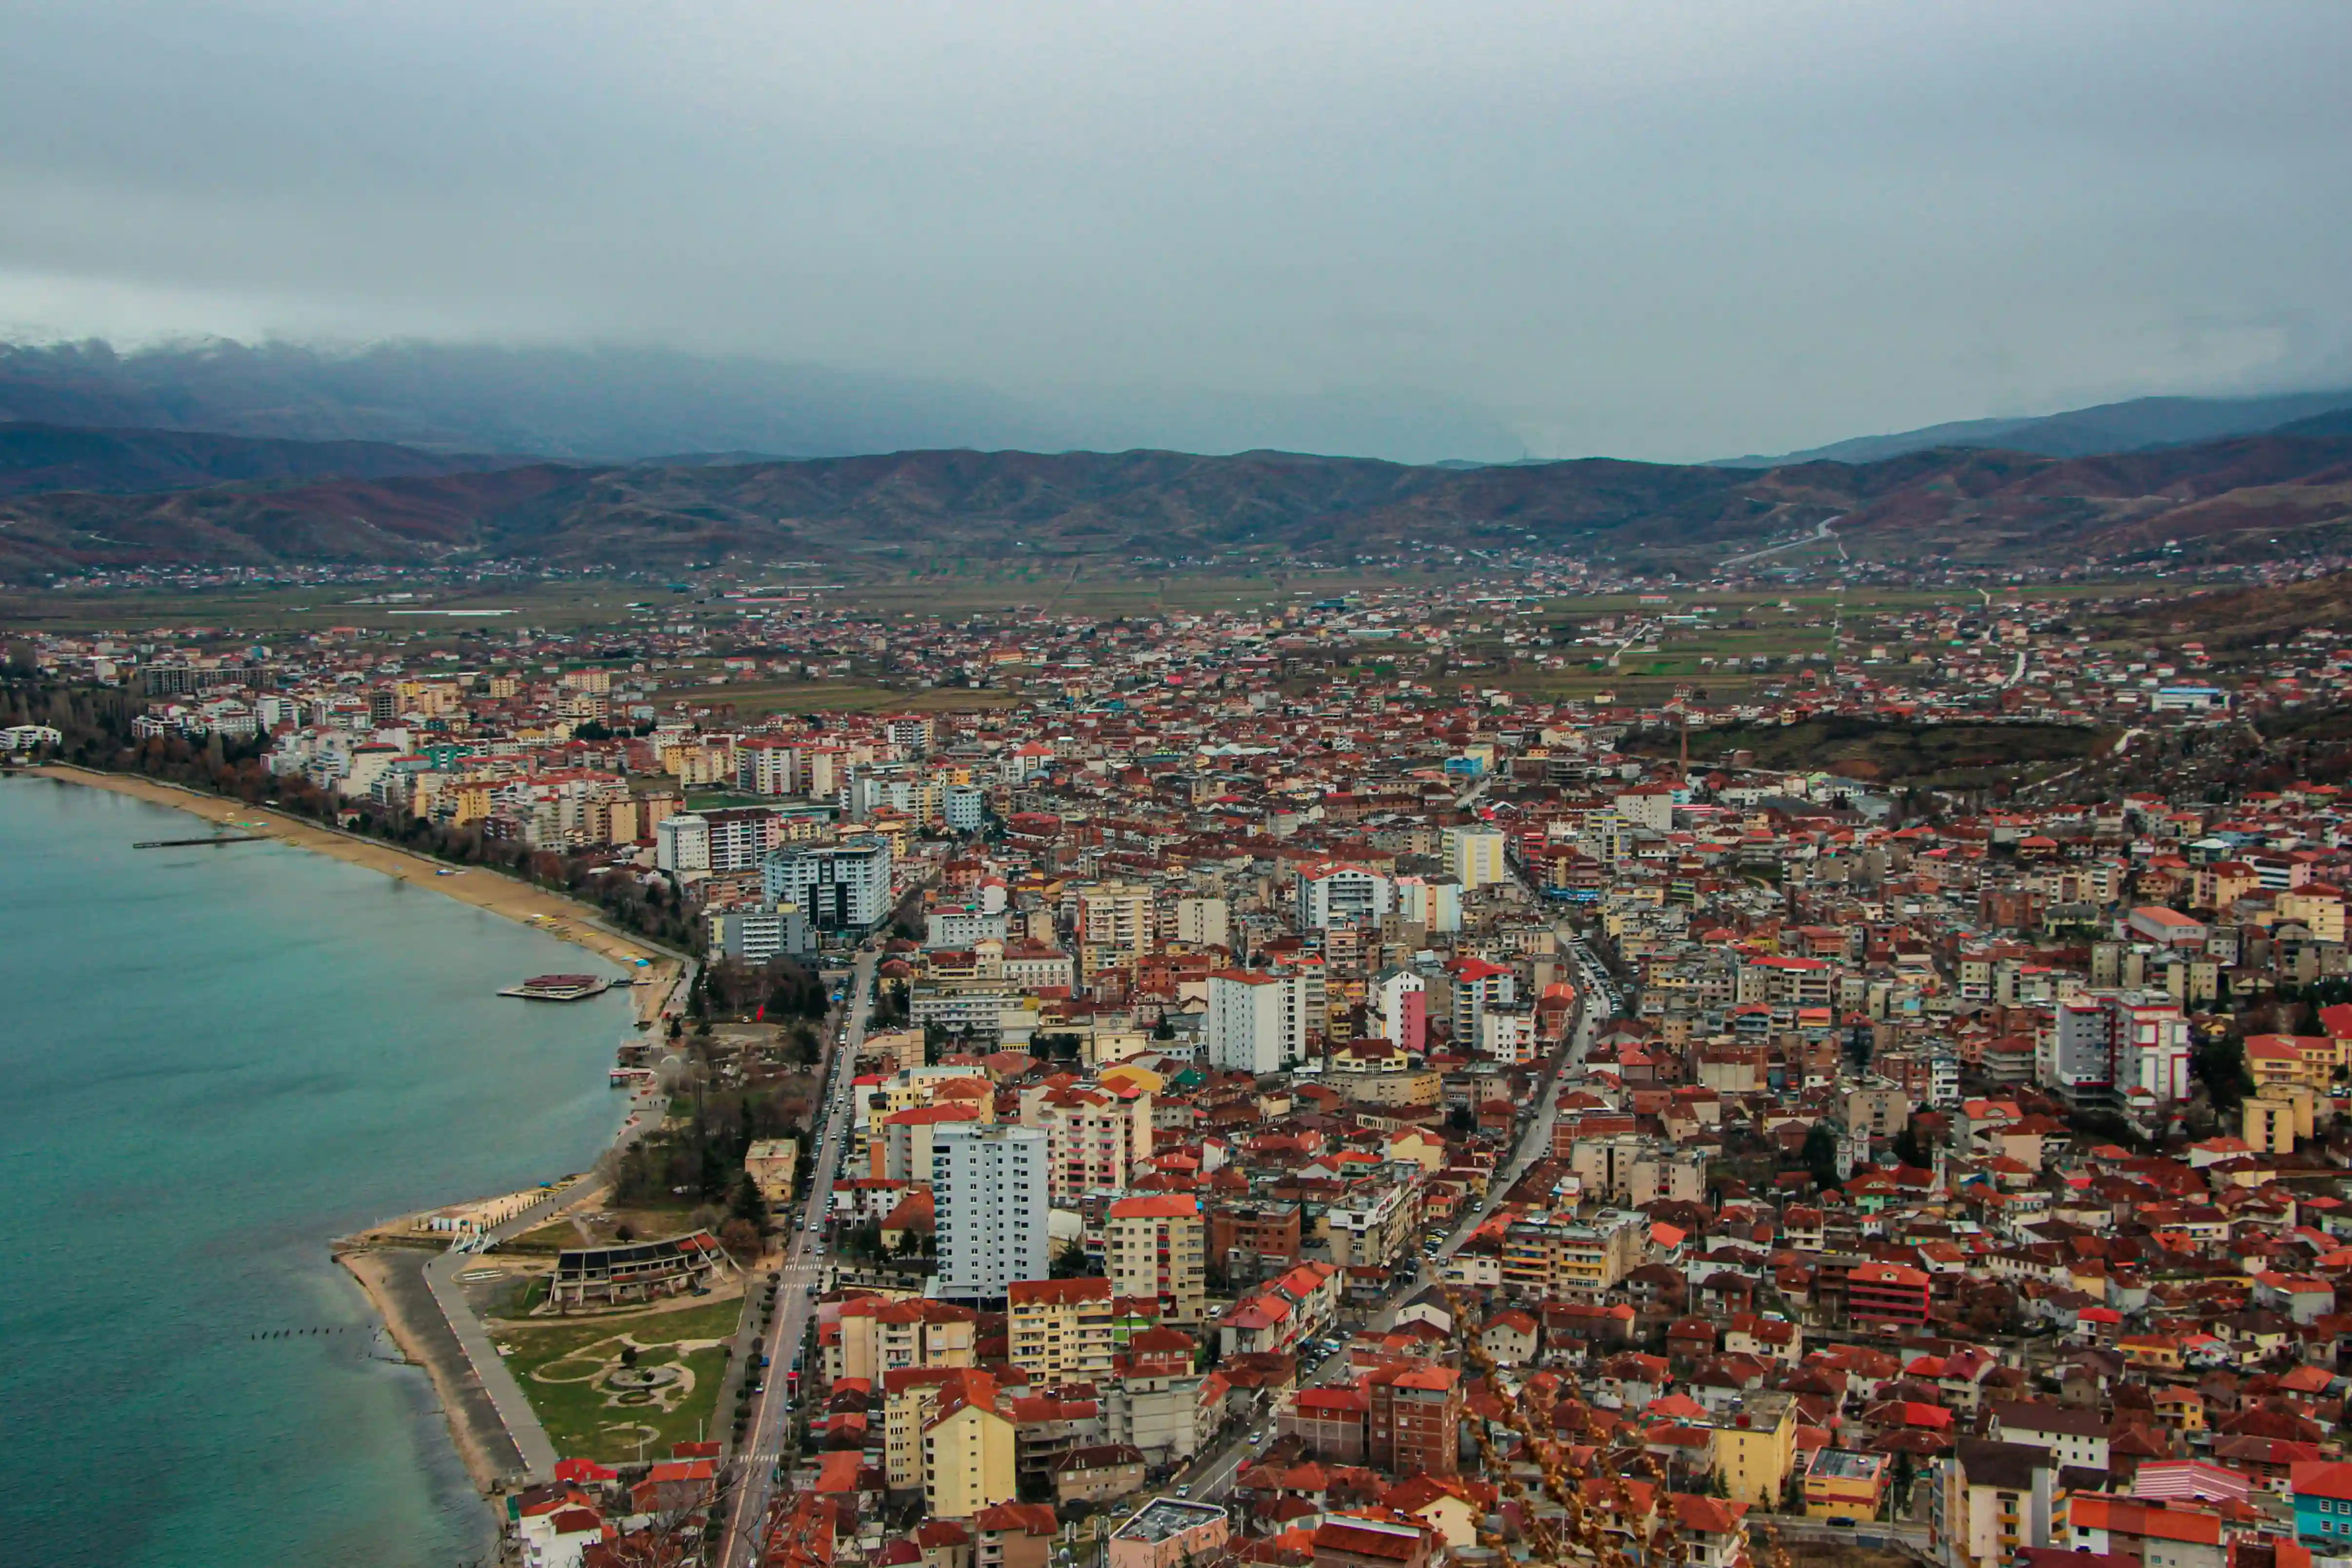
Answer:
(1210, 1475)
(802, 1269)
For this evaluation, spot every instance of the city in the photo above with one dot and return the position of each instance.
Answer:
(1343, 1083)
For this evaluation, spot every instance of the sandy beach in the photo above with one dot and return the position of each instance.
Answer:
(552, 913)
(393, 1279)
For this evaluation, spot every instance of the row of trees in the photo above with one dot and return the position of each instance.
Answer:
(94, 726)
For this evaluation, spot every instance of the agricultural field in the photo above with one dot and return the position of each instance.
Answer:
(1935, 756)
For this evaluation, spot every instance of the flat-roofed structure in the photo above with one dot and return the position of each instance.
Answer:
(634, 1271)
(1165, 1531)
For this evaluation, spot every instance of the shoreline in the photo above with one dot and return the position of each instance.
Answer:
(489, 1455)
(564, 918)
(391, 1275)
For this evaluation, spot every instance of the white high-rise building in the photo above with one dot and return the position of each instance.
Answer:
(988, 1189)
(682, 843)
(965, 807)
(1255, 1022)
(843, 887)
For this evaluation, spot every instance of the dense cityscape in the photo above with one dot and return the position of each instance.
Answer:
(1343, 1083)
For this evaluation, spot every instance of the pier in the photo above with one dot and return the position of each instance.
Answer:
(215, 839)
(559, 988)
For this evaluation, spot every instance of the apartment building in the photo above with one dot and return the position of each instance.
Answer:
(969, 1452)
(1330, 896)
(840, 887)
(877, 1336)
(1157, 1249)
(989, 1185)
(1473, 855)
(1255, 1022)
(1096, 1136)
(1113, 925)
(1060, 1331)
(1415, 1425)
(1561, 1259)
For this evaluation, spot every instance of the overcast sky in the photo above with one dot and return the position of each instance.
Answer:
(1648, 229)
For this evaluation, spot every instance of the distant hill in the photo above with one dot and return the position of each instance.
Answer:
(41, 458)
(619, 406)
(2236, 499)
(2133, 426)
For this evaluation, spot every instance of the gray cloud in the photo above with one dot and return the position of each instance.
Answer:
(1647, 229)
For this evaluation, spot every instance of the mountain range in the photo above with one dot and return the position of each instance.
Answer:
(2238, 499)
(2132, 426)
(615, 404)
(224, 455)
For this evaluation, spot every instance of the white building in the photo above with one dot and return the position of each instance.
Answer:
(988, 1186)
(1332, 895)
(965, 807)
(842, 887)
(1203, 923)
(1437, 906)
(1255, 1022)
(1508, 1035)
(764, 766)
(1394, 986)
(682, 845)
(963, 924)
(2107, 1043)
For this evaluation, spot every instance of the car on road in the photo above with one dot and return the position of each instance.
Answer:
(1184, 1490)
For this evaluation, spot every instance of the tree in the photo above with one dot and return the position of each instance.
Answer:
(1070, 1261)
(747, 1203)
(741, 1238)
(2219, 1064)
(1820, 1154)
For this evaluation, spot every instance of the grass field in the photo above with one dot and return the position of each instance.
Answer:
(1093, 587)
(569, 1371)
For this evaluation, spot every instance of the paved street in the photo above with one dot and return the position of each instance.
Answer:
(1210, 1476)
(804, 1266)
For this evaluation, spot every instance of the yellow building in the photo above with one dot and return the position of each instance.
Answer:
(1115, 926)
(1157, 1249)
(879, 1335)
(2307, 1058)
(2316, 905)
(772, 1163)
(1841, 1484)
(968, 1454)
(1565, 1260)
(1755, 1445)
(1060, 1330)
(2270, 1120)
(911, 1397)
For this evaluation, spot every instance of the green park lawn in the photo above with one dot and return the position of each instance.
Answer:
(567, 1370)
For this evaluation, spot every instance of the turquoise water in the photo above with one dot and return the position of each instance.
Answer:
(219, 1059)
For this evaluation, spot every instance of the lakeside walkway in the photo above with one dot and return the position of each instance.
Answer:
(533, 1448)
(535, 1453)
